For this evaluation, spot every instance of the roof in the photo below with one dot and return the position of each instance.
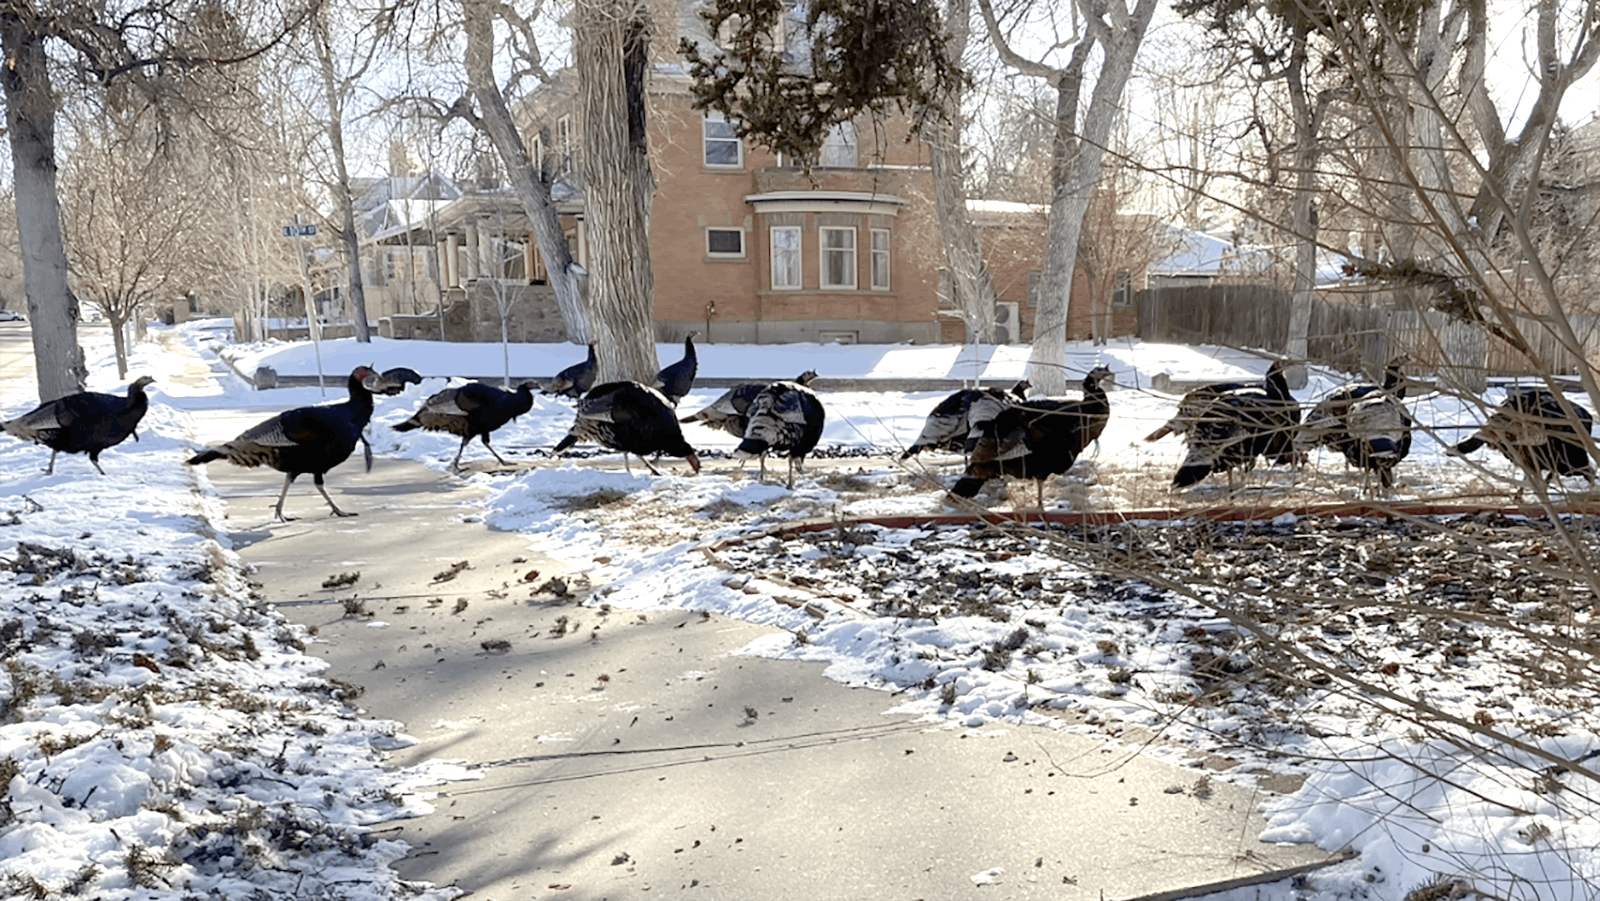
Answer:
(1197, 253)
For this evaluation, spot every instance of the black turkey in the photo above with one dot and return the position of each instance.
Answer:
(731, 411)
(1535, 430)
(955, 424)
(1194, 405)
(393, 381)
(1197, 404)
(631, 418)
(303, 440)
(1039, 438)
(84, 423)
(785, 418)
(1367, 423)
(473, 410)
(1236, 427)
(676, 380)
(575, 380)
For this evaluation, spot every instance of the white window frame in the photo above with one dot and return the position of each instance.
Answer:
(564, 142)
(826, 252)
(839, 148)
(712, 117)
(881, 258)
(795, 253)
(536, 150)
(1122, 288)
(725, 255)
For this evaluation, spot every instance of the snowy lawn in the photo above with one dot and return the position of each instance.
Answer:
(1421, 679)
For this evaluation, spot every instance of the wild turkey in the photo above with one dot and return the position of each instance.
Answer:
(302, 440)
(1533, 429)
(1197, 403)
(629, 417)
(676, 380)
(84, 423)
(785, 418)
(1194, 405)
(473, 410)
(1039, 438)
(954, 424)
(730, 412)
(1366, 423)
(575, 380)
(393, 381)
(1238, 426)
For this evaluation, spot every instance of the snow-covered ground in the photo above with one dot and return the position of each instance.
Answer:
(161, 732)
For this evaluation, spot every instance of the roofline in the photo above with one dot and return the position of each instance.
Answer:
(815, 201)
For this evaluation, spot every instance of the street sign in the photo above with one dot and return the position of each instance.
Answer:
(299, 231)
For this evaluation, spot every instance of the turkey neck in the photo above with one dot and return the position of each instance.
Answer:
(1391, 380)
(523, 402)
(1278, 385)
(360, 400)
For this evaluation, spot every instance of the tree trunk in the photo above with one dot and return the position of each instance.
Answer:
(611, 50)
(30, 124)
(348, 238)
(969, 277)
(1302, 214)
(119, 340)
(1076, 170)
(531, 186)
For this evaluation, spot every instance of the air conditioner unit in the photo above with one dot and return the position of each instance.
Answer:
(1007, 323)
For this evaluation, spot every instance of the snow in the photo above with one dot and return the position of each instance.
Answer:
(162, 733)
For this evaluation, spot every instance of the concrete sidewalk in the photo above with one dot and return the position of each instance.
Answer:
(629, 755)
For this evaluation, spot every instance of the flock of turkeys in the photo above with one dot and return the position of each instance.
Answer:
(1227, 426)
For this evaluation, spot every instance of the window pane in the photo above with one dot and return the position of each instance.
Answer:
(728, 241)
(838, 257)
(839, 147)
(880, 258)
(721, 147)
(786, 258)
(722, 153)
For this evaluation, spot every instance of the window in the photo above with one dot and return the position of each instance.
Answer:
(536, 151)
(722, 146)
(839, 148)
(880, 259)
(564, 142)
(786, 258)
(724, 242)
(838, 257)
(1122, 289)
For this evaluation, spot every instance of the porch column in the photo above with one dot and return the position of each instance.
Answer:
(452, 260)
(469, 254)
(486, 254)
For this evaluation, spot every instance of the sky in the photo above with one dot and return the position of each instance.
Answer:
(117, 746)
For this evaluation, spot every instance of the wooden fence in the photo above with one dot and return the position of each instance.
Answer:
(1361, 338)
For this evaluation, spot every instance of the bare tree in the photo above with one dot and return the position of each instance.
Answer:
(1115, 245)
(1115, 31)
(102, 46)
(612, 56)
(133, 219)
(486, 107)
(337, 89)
(970, 279)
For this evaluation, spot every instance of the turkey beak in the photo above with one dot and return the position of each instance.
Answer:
(694, 463)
